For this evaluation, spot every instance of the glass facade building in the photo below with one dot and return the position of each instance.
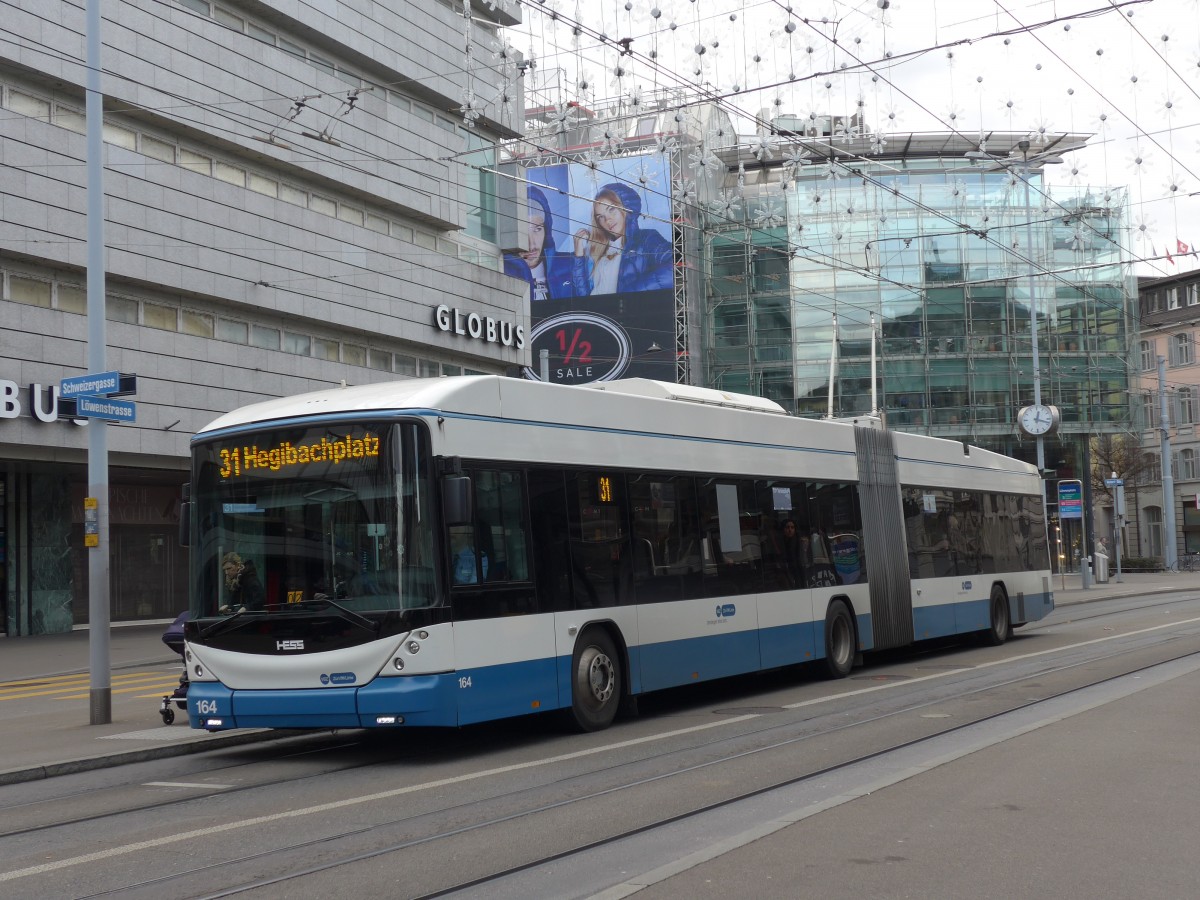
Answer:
(947, 256)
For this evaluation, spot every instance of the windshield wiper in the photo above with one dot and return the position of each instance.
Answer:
(217, 627)
(349, 614)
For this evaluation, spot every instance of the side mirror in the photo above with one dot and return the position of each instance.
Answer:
(185, 523)
(457, 505)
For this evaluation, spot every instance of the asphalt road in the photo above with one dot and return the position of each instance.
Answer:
(1059, 764)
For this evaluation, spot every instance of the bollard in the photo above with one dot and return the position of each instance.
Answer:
(1085, 571)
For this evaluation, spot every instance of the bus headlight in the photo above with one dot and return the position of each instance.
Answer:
(199, 670)
(414, 647)
(398, 663)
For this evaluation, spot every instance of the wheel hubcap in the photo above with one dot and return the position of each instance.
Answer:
(600, 677)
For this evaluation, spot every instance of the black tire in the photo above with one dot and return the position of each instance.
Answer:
(840, 644)
(999, 628)
(168, 715)
(595, 681)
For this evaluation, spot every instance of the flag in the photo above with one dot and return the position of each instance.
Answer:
(1167, 251)
(1180, 247)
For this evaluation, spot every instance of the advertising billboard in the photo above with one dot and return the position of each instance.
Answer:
(601, 270)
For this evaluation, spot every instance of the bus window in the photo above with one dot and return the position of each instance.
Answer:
(669, 548)
(601, 568)
(731, 546)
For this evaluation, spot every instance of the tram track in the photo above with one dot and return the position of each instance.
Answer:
(435, 835)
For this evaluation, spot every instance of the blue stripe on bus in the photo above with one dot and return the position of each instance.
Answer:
(512, 689)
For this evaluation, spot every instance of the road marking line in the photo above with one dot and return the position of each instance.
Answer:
(347, 802)
(185, 784)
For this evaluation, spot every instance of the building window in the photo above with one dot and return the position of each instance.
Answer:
(354, 354)
(1173, 298)
(300, 344)
(29, 291)
(1146, 353)
(236, 332)
(121, 309)
(1193, 294)
(1182, 353)
(165, 318)
(199, 324)
(1185, 408)
(1147, 412)
(267, 338)
(72, 299)
(1187, 464)
(1152, 474)
(325, 349)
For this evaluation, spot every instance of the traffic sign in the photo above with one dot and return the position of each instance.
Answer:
(105, 408)
(1114, 482)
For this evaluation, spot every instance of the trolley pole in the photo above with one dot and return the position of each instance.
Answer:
(100, 686)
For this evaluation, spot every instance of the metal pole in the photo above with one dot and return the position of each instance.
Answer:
(1168, 479)
(1033, 323)
(544, 360)
(874, 392)
(832, 367)
(100, 685)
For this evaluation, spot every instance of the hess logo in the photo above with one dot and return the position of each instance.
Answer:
(289, 645)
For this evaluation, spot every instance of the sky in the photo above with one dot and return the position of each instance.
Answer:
(1124, 72)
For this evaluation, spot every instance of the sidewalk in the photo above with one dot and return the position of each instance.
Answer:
(44, 691)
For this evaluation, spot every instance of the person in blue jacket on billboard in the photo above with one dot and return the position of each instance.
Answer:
(549, 275)
(616, 255)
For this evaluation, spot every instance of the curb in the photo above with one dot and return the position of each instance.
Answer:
(1087, 596)
(92, 763)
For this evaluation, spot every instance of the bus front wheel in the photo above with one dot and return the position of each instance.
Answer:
(839, 640)
(595, 681)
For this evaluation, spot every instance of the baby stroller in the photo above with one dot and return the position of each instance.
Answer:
(173, 638)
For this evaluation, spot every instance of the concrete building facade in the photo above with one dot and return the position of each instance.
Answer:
(293, 200)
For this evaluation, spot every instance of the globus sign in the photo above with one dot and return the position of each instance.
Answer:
(40, 400)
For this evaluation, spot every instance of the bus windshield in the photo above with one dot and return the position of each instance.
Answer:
(304, 517)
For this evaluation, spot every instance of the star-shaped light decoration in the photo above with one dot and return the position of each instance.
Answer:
(726, 205)
(1077, 173)
(562, 117)
(1143, 228)
(665, 143)
(1139, 161)
(470, 107)
(647, 174)
(1040, 134)
(793, 161)
(769, 215)
(504, 54)
(703, 158)
(611, 140)
(878, 141)
(763, 145)
(683, 192)
(590, 160)
(1173, 185)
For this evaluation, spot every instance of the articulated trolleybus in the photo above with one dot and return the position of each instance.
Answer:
(443, 552)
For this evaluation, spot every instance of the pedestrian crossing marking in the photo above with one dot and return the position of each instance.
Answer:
(71, 684)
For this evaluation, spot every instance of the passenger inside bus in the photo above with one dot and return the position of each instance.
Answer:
(243, 590)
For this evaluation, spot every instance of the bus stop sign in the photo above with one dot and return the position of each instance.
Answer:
(1070, 499)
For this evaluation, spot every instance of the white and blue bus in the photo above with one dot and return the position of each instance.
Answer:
(448, 551)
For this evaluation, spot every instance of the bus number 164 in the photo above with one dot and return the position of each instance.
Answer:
(465, 681)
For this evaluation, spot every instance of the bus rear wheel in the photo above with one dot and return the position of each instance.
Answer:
(595, 681)
(839, 640)
(999, 628)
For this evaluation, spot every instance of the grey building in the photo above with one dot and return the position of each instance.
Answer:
(292, 196)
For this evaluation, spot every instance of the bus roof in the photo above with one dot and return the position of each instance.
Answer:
(640, 405)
